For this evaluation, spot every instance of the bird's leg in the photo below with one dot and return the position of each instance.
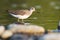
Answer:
(22, 21)
(18, 19)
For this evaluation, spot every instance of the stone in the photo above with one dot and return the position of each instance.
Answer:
(26, 28)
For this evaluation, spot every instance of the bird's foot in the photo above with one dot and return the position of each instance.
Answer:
(20, 23)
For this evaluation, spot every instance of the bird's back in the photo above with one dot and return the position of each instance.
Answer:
(20, 12)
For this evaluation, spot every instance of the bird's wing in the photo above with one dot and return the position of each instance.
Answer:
(22, 12)
(19, 12)
(12, 11)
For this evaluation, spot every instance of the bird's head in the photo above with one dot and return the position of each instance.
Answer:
(32, 9)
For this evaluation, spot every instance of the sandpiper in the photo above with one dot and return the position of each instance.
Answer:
(22, 14)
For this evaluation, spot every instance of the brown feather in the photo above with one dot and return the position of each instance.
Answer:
(20, 12)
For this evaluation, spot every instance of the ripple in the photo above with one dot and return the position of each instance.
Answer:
(52, 36)
(24, 5)
(56, 7)
(52, 3)
(14, 5)
(38, 6)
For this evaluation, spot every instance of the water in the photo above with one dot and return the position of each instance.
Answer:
(24, 37)
(52, 36)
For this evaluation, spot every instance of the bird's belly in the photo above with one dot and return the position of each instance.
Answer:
(20, 16)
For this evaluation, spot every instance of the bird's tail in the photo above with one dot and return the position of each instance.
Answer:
(10, 11)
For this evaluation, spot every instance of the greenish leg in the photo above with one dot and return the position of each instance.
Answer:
(22, 21)
(18, 19)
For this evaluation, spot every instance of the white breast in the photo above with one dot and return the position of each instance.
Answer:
(20, 16)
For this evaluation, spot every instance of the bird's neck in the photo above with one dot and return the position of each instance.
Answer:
(31, 11)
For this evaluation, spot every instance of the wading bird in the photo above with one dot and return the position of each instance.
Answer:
(22, 14)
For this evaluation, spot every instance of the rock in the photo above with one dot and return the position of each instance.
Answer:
(26, 28)
(7, 34)
(2, 29)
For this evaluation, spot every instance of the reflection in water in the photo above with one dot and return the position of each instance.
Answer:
(25, 37)
(49, 36)
(52, 36)
(19, 37)
(41, 38)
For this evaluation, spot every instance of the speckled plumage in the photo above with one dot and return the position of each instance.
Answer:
(21, 14)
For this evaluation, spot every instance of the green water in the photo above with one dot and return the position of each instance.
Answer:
(47, 16)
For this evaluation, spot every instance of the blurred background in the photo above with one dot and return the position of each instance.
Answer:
(47, 12)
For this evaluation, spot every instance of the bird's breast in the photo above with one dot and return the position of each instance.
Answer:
(21, 16)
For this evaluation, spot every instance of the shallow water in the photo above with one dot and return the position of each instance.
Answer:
(52, 36)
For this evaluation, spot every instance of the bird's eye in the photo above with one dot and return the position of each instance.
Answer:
(32, 8)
